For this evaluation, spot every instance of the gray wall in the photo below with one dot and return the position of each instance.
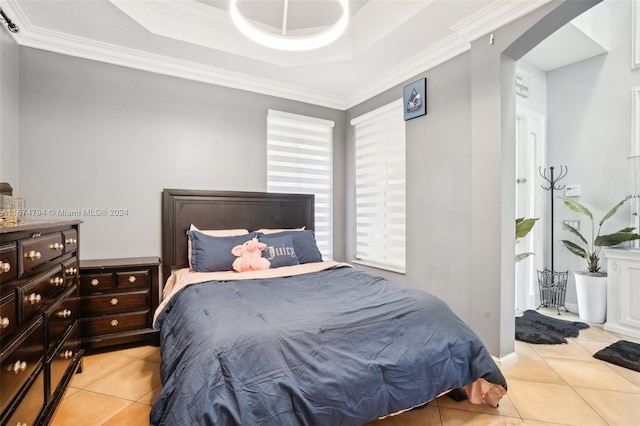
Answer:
(99, 136)
(8, 110)
(589, 131)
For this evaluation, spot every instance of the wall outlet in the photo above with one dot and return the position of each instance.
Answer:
(573, 223)
(572, 191)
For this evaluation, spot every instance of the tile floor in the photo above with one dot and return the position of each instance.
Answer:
(548, 385)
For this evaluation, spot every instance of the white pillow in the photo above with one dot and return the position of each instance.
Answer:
(214, 233)
(268, 231)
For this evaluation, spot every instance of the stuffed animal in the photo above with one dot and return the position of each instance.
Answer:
(249, 256)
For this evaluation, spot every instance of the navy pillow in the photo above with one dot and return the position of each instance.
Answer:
(279, 251)
(304, 243)
(212, 254)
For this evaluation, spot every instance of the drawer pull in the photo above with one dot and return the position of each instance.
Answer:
(33, 255)
(114, 301)
(34, 298)
(4, 322)
(95, 282)
(67, 354)
(56, 246)
(5, 267)
(71, 271)
(132, 279)
(21, 424)
(66, 313)
(19, 366)
(114, 323)
(57, 281)
(71, 241)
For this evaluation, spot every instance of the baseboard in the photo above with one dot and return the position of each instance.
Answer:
(507, 361)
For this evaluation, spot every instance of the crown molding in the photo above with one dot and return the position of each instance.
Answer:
(446, 49)
(493, 16)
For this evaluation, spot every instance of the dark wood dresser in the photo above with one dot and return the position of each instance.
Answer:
(39, 311)
(118, 298)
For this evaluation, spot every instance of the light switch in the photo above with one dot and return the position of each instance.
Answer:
(572, 191)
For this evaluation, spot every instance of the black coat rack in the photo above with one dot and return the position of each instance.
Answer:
(552, 284)
(552, 186)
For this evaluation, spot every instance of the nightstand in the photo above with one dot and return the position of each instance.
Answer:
(118, 298)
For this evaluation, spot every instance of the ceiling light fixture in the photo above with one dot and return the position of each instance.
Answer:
(292, 43)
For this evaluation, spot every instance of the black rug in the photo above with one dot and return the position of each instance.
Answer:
(533, 327)
(623, 353)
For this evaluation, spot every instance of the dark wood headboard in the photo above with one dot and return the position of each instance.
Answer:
(225, 210)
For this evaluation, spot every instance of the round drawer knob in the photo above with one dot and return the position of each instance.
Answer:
(66, 313)
(5, 267)
(114, 323)
(67, 354)
(56, 246)
(34, 255)
(19, 366)
(95, 281)
(4, 322)
(57, 281)
(34, 298)
(132, 279)
(114, 301)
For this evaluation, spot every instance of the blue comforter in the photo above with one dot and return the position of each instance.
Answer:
(336, 347)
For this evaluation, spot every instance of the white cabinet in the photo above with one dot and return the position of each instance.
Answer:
(623, 292)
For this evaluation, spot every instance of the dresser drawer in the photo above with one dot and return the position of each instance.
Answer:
(115, 303)
(31, 405)
(38, 250)
(8, 316)
(113, 323)
(8, 262)
(70, 238)
(95, 283)
(71, 270)
(59, 317)
(63, 358)
(35, 296)
(132, 279)
(19, 361)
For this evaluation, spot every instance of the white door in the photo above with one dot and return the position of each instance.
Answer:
(530, 202)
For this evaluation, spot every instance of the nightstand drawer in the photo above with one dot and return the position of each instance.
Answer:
(132, 279)
(8, 316)
(8, 262)
(115, 303)
(113, 323)
(38, 250)
(95, 283)
(20, 361)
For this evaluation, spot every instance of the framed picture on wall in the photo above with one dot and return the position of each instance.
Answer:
(415, 99)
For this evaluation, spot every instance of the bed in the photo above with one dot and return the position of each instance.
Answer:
(304, 342)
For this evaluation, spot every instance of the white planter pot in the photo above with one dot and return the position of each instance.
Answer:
(592, 297)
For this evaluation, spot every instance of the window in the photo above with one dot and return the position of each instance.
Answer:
(299, 160)
(380, 187)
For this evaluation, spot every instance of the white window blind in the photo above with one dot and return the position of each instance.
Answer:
(300, 160)
(380, 158)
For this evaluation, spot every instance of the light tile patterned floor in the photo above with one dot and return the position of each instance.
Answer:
(548, 385)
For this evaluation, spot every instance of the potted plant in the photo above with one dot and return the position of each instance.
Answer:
(591, 285)
(523, 227)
